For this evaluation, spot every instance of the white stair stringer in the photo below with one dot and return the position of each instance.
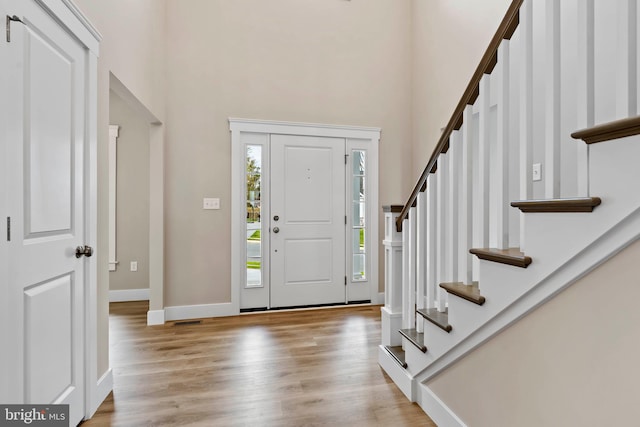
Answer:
(403, 380)
(564, 248)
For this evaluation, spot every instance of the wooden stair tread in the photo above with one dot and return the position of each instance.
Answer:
(398, 354)
(609, 131)
(469, 292)
(511, 256)
(416, 338)
(440, 319)
(579, 204)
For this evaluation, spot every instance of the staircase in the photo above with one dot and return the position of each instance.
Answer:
(480, 243)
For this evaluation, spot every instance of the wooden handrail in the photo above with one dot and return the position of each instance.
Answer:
(487, 63)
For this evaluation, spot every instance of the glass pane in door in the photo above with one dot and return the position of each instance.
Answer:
(358, 217)
(253, 181)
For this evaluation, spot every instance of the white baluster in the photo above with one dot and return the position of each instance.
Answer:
(432, 239)
(409, 270)
(453, 205)
(627, 78)
(442, 218)
(585, 77)
(501, 168)
(393, 266)
(606, 62)
(526, 109)
(481, 189)
(552, 100)
(421, 257)
(465, 265)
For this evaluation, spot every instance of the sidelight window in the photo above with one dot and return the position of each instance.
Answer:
(358, 212)
(253, 182)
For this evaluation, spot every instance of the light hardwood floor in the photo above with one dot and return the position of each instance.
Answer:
(302, 368)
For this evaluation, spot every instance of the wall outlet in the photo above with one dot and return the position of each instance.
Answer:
(536, 172)
(209, 203)
(134, 265)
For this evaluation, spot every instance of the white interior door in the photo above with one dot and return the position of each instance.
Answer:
(46, 143)
(307, 238)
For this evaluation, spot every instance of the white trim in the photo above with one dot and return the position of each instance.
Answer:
(104, 386)
(123, 295)
(73, 19)
(4, 244)
(398, 374)
(437, 410)
(91, 227)
(238, 126)
(300, 128)
(380, 299)
(114, 131)
(155, 317)
(200, 311)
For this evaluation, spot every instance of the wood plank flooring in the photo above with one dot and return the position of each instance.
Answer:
(301, 368)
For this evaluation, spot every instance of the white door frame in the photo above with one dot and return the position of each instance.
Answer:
(355, 136)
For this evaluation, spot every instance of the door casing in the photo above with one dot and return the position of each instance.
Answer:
(257, 132)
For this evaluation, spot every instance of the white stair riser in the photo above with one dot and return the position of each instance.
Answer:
(416, 360)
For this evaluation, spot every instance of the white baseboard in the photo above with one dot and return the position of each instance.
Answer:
(155, 317)
(104, 386)
(129, 295)
(437, 410)
(185, 312)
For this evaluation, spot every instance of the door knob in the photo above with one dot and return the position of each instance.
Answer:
(276, 230)
(275, 218)
(84, 250)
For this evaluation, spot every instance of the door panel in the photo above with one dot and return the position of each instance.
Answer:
(49, 139)
(48, 340)
(46, 175)
(308, 261)
(308, 239)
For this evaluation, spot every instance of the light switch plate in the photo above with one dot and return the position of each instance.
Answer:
(134, 265)
(536, 172)
(210, 203)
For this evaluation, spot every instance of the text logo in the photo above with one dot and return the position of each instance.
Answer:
(34, 415)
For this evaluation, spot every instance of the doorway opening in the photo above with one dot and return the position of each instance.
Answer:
(154, 212)
(304, 214)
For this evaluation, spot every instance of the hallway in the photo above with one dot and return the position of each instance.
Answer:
(296, 368)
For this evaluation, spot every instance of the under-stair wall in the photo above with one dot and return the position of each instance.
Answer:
(482, 241)
(571, 362)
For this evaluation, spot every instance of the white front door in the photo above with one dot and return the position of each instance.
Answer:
(46, 89)
(307, 238)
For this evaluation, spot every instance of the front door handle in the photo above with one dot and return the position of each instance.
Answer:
(276, 230)
(84, 250)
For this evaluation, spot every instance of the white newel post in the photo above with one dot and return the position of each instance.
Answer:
(392, 310)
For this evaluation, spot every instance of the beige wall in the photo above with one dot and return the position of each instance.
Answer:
(133, 49)
(132, 197)
(449, 38)
(572, 362)
(341, 62)
(333, 61)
